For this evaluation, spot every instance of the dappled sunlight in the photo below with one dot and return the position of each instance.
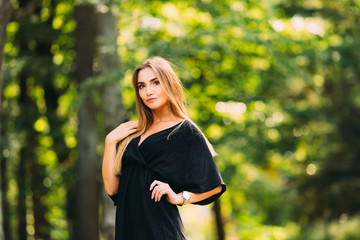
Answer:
(278, 25)
(311, 169)
(298, 22)
(150, 22)
(198, 222)
(231, 107)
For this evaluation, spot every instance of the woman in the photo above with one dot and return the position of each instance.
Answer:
(162, 160)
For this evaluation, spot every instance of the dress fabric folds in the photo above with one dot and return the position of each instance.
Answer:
(180, 158)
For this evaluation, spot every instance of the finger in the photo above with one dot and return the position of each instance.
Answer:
(151, 186)
(155, 190)
(159, 194)
(134, 123)
(133, 130)
(165, 190)
(154, 183)
(130, 123)
(153, 194)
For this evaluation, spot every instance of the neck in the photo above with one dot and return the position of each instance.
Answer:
(164, 114)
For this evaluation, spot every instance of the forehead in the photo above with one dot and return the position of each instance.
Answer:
(146, 74)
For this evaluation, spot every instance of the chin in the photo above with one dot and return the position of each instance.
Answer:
(156, 106)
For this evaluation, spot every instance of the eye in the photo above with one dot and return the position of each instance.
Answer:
(157, 82)
(141, 86)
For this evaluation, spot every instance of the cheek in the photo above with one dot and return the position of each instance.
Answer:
(160, 91)
(164, 98)
(141, 93)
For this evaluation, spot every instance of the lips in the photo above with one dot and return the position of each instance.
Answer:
(151, 99)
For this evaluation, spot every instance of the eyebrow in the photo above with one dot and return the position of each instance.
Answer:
(151, 80)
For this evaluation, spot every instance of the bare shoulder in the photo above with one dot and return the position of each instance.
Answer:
(156, 127)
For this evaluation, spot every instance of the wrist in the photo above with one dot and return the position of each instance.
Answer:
(180, 199)
(185, 196)
(109, 140)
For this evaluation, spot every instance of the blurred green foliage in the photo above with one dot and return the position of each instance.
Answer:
(273, 84)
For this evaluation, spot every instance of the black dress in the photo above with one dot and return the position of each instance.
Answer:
(181, 159)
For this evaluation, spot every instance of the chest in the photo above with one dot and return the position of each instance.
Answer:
(155, 150)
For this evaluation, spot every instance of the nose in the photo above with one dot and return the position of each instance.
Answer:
(149, 90)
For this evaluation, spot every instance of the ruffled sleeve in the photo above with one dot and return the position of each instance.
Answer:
(190, 165)
(204, 175)
(114, 198)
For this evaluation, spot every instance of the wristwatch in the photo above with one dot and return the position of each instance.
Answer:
(186, 196)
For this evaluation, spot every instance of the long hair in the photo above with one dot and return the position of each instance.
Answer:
(173, 89)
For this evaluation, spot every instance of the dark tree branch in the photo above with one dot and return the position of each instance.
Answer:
(26, 11)
(219, 221)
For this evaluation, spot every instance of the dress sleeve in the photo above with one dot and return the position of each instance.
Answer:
(201, 173)
(114, 198)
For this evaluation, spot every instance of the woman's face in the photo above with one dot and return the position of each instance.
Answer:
(150, 89)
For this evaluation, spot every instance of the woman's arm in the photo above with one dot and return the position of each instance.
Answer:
(197, 197)
(111, 181)
(160, 188)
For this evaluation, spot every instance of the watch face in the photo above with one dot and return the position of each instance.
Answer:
(186, 195)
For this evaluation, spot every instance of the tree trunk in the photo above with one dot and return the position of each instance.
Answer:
(5, 13)
(24, 179)
(27, 164)
(41, 225)
(219, 221)
(21, 182)
(87, 204)
(5, 223)
(112, 106)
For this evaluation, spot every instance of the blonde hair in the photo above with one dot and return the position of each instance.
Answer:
(173, 89)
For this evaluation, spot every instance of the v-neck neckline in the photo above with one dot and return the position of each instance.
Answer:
(155, 133)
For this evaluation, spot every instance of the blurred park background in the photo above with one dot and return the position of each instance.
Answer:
(274, 84)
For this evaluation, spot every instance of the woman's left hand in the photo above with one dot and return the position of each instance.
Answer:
(160, 188)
